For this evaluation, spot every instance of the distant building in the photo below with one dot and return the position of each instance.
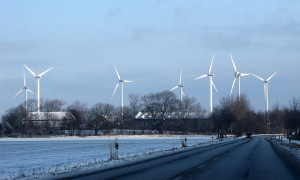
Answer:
(174, 121)
(168, 116)
(53, 119)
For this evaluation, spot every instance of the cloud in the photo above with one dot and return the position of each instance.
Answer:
(113, 12)
(139, 33)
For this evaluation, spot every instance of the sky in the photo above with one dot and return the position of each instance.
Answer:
(149, 42)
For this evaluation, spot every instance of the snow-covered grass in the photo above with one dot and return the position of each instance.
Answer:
(293, 147)
(27, 158)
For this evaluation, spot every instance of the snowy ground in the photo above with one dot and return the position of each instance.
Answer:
(293, 148)
(28, 158)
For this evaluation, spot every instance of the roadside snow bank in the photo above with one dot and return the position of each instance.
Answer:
(30, 158)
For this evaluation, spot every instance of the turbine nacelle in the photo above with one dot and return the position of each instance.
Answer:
(181, 86)
(210, 75)
(237, 74)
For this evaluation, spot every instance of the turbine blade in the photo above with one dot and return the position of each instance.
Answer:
(29, 70)
(232, 86)
(24, 80)
(30, 91)
(271, 76)
(18, 93)
(244, 74)
(201, 77)
(258, 77)
(115, 90)
(126, 81)
(180, 76)
(212, 61)
(214, 85)
(45, 72)
(117, 72)
(174, 88)
(233, 63)
(183, 93)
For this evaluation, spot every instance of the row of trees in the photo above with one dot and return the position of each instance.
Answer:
(231, 116)
(236, 116)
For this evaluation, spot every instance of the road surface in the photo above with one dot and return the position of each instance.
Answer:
(242, 159)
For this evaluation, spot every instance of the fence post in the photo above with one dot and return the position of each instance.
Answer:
(116, 149)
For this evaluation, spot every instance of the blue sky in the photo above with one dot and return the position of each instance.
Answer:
(149, 41)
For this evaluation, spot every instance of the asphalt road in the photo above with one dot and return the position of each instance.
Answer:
(243, 159)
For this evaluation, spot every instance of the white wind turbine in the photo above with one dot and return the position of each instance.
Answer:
(266, 89)
(38, 77)
(26, 90)
(120, 82)
(238, 76)
(210, 76)
(179, 86)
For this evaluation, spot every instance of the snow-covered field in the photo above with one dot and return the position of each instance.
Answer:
(28, 158)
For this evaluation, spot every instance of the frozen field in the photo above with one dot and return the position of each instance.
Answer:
(35, 157)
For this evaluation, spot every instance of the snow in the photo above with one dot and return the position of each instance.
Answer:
(285, 144)
(47, 115)
(27, 158)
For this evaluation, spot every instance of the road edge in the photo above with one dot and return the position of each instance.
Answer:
(77, 174)
(286, 155)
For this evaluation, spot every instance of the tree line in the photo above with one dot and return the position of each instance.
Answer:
(232, 115)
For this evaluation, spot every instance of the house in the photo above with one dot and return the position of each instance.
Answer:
(53, 119)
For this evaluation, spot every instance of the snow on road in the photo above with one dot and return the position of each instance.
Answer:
(27, 158)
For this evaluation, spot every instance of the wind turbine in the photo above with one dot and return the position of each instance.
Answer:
(266, 89)
(210, 76)
(26, 90)
(238, 76)
(179, 86)
(120, 82)
(38, 77)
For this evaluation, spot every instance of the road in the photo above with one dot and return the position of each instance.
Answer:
(242, 159)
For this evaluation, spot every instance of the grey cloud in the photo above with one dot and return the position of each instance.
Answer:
(113, 12)
(139, 33)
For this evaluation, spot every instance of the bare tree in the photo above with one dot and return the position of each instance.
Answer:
(79, 111)
(55, 105)
(223, 116)
(159, 105)
(190, 105)
(135, 103)
(32, 105)
(277, 118)
(98, 115)
(135, 107)
(12, 120)
(292, 118)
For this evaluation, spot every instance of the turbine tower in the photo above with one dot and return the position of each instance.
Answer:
(38, 77)
(266, 89)
(210, 76)
(237, 75)
(26, 90)
(120, 82)
(179, 86)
